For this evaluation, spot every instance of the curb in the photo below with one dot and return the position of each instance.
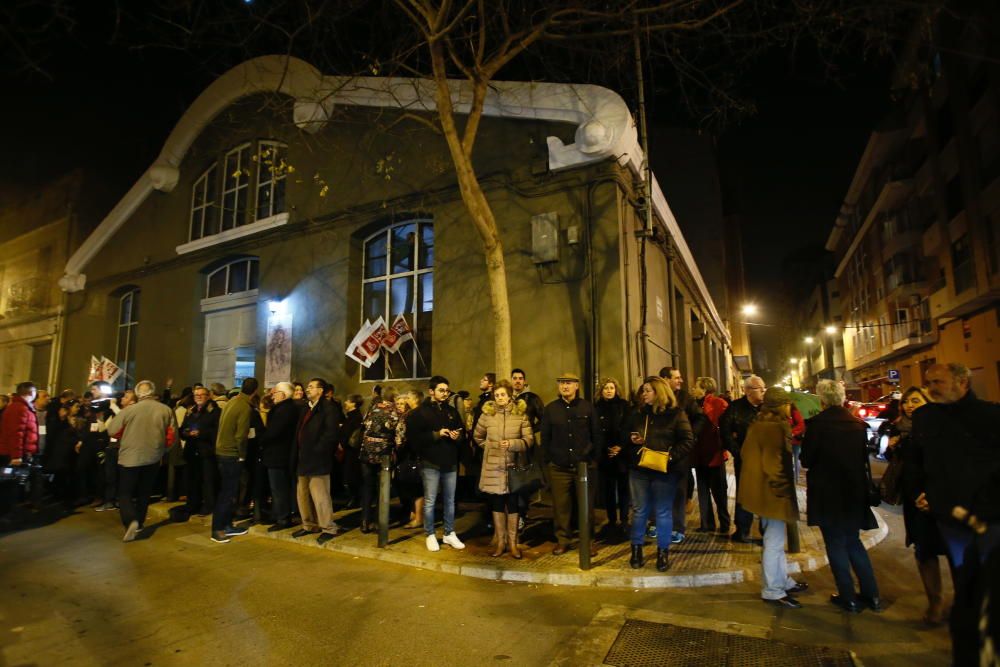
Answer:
(507, 571)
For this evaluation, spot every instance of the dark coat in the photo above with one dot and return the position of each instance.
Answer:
(611, 416)
(571, 433)
(734, 423)
(423, 426)
(667, 431)
(696, 416)
(276, 440)
(961, 444)
(834, 450)
(205, 420)
(707, 450)
(316, 436)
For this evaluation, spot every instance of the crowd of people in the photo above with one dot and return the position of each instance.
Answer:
(291, 454)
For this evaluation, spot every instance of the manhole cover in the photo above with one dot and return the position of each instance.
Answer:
(646, 644)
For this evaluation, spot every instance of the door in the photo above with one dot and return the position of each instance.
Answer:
(230, 345)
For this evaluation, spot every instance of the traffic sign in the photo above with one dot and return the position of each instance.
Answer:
(893, 375)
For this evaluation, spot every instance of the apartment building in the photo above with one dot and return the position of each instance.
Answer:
(916, 241)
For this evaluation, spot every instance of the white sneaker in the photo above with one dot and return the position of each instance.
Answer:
(451, 539)
(432, 543)
(131, 531)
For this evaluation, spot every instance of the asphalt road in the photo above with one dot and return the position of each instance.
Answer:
(73, 593)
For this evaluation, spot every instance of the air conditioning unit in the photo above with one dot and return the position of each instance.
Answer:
(697, 330)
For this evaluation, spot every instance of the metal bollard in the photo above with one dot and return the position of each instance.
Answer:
(383, 502)
(583, 514)
(792, 530)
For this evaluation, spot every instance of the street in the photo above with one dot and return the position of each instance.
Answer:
(75, 594)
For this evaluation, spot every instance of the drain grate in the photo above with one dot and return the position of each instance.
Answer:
(646, 644)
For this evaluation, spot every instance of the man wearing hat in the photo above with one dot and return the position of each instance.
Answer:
(767, 488)
(570, 434)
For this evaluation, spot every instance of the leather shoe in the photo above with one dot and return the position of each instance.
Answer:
(559, 550)
(302, 532)
(366, 527)
(874, 603)
(738, 537)
(850, 606)
(636, 561)
(662, 562)
(788, 602)
(280, 525)
(797, 588)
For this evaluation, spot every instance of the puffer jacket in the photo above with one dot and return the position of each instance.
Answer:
(667, 431)
(496, 423)
(18, 429)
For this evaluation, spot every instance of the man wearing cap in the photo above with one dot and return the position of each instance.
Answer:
(767, 488)
(570, 434)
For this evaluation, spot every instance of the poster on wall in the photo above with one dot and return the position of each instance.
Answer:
(278, 364)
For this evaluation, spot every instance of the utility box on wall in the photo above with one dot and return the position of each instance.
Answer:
(545, 238)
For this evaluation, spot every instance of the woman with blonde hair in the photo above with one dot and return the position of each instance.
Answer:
(503, 430)
(661, 426)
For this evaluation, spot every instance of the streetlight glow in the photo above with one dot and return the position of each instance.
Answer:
(830, 329)
(793, 360)
(749, 309)
(810, 340)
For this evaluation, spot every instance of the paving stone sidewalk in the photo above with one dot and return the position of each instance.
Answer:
(703, 559)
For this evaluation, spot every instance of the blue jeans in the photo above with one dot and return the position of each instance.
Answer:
(773, 562)
(229, 488)
(653, 492)
(432, 477)
(845, 551)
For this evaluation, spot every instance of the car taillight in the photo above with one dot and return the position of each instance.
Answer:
(862, 412)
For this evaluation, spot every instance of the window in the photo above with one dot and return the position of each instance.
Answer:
(271, 172)
(128, 321)
(399, 279)
(204, 219)
(963, 267)
(239, 276)
(236, 183)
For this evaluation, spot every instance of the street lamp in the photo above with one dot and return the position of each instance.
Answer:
(809, 340)
(830, 329)
(793, 360)
(749, 309)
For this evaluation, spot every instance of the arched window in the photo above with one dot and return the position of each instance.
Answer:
(128, 324)
(399, 280)
(237, 276)
(204, 205)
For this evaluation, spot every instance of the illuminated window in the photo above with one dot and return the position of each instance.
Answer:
(128, 323)
(271, 172)
(399, 279)
(204, 207)
(235, 186)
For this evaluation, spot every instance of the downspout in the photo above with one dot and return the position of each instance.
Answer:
(645, 192)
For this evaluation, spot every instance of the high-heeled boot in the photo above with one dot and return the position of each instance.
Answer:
(515, 552)
(636, 561)
(662, 562)
(499, 527)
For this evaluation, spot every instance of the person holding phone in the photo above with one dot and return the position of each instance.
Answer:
(435, 430)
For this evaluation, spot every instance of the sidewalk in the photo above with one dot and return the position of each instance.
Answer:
(703, 559)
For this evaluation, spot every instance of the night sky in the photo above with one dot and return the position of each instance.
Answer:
(785, 169)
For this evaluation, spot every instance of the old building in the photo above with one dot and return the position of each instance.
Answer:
(288, 207)
(916, 244)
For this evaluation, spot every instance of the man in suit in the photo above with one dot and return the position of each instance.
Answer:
(315, 438)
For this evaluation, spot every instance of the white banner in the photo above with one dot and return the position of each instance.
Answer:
(278, 361)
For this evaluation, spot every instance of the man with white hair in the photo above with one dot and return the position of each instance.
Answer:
(276, 454)
(144, 431)
(961, 443)
(733, 425)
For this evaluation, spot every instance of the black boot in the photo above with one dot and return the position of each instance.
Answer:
(662, 564)
(636, 560)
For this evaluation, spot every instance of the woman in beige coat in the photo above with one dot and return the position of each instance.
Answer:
(502, 431)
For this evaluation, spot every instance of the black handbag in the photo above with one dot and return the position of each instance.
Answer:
(891, 482)
(408, 472)
(525, 477)
(874, 494)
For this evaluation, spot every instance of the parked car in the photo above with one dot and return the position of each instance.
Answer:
(871, 413)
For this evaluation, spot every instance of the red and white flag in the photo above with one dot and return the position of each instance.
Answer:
(354, 349)
(110, 371)
(95, 370)
(372, 344)
(398, 333)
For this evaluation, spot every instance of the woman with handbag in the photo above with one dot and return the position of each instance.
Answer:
(502, 431)
(767, 488)
(661, 439)
(904, 452)
(379, 439)
(611, 411)
(835, 454)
